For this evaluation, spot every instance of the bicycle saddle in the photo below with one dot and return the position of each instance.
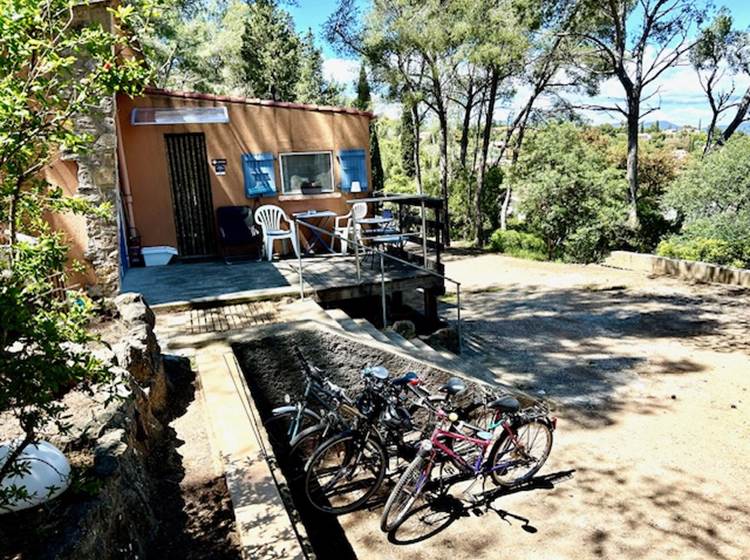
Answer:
(506, 403)
(453, 386)
(409, 378)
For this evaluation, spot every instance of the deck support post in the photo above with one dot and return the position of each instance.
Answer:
(382, 291)
(299, 261)
(458, 319)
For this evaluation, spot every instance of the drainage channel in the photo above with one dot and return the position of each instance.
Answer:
(272, 371)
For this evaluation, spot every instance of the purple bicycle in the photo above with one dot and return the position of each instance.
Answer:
(519, 442)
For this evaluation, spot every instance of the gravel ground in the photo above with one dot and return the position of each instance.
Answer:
(650, 458)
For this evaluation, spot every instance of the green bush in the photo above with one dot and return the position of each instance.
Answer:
(518, 244)
(717, 251)
(569, 194)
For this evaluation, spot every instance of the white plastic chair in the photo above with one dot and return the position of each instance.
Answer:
(359, 210)
(269, 218)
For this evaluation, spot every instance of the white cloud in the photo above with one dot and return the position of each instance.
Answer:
(342, 70)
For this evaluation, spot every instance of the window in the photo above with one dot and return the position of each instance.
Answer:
(307, 172)
(179, 115)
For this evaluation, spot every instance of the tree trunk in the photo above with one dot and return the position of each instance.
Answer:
(482, 168)
(632, 162)
(417, 164)
(739, 116)
(443, 120)
(466, 125)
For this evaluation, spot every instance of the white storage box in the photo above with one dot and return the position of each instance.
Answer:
(157, 256)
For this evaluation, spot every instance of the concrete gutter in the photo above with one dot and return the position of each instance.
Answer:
(265, 527)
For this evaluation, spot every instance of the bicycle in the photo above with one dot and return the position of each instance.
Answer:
(515, 448)
(288, 421)
(347, 469)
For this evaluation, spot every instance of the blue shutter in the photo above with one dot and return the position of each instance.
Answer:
(353, 168)
(259, 173)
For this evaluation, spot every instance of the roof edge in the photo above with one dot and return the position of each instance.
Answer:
(253, 101)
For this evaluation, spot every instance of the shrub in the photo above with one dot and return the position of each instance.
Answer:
(704, 249)
(569, 194)
(518, 244)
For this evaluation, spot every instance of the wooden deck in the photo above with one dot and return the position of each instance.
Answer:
(210, 284)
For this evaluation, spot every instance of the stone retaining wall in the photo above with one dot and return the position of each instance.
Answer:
(127, 436)
(687, 270)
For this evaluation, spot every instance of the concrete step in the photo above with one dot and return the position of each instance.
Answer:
(370, 329)
(346, 322)
(398, 340)
(415, 347)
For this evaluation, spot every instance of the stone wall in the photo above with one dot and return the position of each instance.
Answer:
(98, 180)
(130, 440)
(98, 183)
(687, 270)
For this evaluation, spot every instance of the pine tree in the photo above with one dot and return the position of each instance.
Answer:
(364, 103)
(407, 142)
(364, 98)
(270, 52)
(378, 176)
(312, 86)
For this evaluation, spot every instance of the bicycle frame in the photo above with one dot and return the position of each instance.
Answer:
(479, 467)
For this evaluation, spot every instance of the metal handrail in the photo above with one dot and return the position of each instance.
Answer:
(382, 254)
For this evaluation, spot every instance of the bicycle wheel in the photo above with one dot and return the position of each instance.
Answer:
(304, 445)
(283, 427)
(344, 472)
(513, 464)
(405, 494)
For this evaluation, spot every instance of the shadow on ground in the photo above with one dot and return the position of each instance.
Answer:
(436, 515)
(583, 345)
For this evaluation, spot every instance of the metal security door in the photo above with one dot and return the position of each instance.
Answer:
(191, 194)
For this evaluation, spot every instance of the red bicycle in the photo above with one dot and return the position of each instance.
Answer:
(519, 442)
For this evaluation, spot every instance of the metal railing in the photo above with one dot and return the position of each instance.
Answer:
(358, 247)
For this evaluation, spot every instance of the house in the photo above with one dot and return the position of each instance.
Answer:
(183, 155)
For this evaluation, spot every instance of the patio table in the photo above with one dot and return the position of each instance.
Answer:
(323, 217)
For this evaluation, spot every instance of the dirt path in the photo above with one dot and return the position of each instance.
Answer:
(650, 458)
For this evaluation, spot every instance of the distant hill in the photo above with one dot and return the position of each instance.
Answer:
(744, 127)
(663, 125)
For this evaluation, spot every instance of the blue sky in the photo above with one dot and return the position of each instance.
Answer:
(680, 98)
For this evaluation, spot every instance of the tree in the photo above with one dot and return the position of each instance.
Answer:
(721, 50)
(410, 47)
(376, 163)
(364, 99)
(406, 137)
(363, 102)
(312, 86)
(195, 45)
(570, 194)
(615, 47)
(712, 198)
(270, 52)
(709, 57)
(54, 67)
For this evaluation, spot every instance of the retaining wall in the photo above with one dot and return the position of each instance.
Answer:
(687, 270)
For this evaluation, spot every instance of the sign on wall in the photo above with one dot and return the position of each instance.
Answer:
(220, 166)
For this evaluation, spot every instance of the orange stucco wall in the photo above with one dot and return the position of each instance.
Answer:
(252, 129)
(63, 174)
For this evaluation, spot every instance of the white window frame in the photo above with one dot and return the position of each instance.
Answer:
(315, 153)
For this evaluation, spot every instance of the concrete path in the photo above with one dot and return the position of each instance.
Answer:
(651, 452)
